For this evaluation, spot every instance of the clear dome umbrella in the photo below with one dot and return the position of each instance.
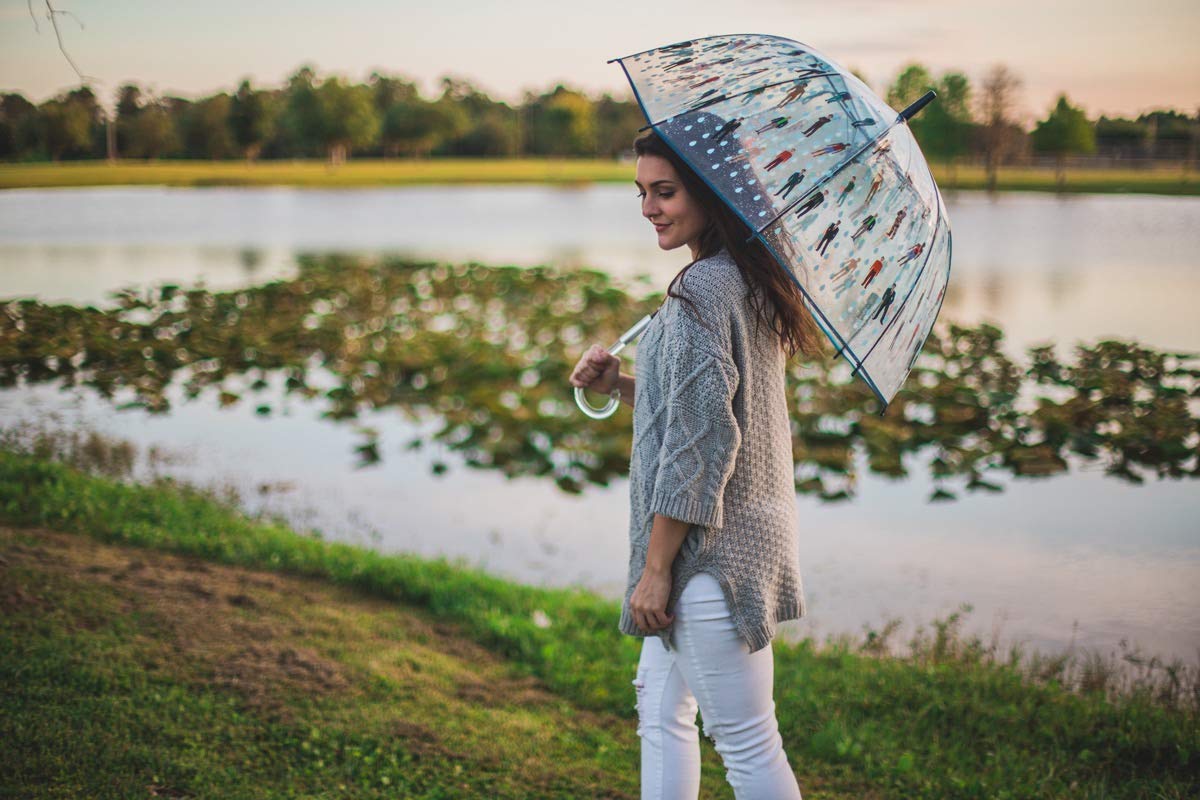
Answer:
(824, 172)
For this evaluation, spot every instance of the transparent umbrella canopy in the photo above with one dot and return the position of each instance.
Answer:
(824, 173)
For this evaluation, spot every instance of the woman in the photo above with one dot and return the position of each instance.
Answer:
(713, 530)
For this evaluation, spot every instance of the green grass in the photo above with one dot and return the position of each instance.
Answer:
(573, 171)
(81, 708)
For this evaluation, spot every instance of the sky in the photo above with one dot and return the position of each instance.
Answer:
(1114, 58)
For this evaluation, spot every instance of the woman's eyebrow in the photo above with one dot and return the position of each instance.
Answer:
(655, 183)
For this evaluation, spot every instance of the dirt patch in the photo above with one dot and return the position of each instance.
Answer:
(201, 608)
(276, 641)
(240, 627)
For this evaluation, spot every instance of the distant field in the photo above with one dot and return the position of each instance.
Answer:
(376, 172)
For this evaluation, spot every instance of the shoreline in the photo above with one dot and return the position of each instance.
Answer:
(548, 171)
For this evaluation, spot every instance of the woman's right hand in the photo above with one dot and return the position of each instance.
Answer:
(597, 370)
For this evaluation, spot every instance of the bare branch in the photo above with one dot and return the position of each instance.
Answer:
(69, 14)
(52, 14)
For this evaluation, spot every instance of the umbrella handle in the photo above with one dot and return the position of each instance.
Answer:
(614, 398)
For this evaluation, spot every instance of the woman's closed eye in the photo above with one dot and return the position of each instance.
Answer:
(663, 195)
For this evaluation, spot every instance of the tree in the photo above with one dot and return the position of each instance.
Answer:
(479, 126)
(19, 134)
(66, 127)
(301, 120)
(561, 123)
(912, 82)
(348, 118)
(97, 118)
(152, 132)
(943, 128)
(617, 124)
(253, 119)
(387, 91)
(129, 105)
(1000, 88)
(1065, 131)
(205, 127)
(418, 127)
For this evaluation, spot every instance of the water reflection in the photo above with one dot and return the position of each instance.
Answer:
(487, 350)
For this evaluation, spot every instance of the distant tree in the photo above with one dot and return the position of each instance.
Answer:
(492, 133)
(1122, 138)
(66, 127)
(97, 119)
(617, 124)
(561, 122)
(1168, 133)
(206, 130)
(912, 82)
(19, 134)
(386, 91)
(348, 118)
(302, 121)
(129, 105)
(1064, 132)
(480, 126)
(152, 132)
(453, 121)
(409, 127)
(943, 128)
(1194, 141)
(253, 119)
(996, 103)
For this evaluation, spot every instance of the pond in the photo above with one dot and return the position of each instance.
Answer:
(1078, 556)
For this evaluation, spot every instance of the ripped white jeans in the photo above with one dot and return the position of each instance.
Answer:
(734, 688)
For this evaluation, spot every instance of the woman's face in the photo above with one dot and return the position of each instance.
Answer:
(676, 216)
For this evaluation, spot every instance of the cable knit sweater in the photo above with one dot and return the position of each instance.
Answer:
(712, 446)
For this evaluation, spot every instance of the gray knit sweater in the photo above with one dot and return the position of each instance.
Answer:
(712, 446)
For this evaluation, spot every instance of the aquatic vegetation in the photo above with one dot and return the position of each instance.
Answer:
(486, 352)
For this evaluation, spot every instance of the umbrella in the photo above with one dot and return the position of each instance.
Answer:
(824, 173)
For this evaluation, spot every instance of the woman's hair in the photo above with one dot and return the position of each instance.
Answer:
(790, 318)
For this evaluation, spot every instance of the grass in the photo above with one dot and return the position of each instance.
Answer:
(572, 171)
(242, 659)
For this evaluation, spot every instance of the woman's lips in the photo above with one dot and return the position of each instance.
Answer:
(661, 228)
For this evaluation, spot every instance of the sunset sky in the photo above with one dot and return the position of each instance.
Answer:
(1116, 58)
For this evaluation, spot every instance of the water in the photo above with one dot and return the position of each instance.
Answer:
(1121, 561)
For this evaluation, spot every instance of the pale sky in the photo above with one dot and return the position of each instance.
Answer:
(1116, 58)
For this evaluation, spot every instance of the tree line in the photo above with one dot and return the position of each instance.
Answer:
(386, 117)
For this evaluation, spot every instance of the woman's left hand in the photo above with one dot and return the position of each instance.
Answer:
(648, 603)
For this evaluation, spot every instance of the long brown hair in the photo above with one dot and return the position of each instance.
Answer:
(790, 318)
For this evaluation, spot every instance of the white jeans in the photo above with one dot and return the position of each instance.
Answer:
(712, 664)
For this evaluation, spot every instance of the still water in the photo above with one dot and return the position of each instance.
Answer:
(1079, 558)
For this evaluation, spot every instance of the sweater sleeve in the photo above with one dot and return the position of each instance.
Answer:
(702, 435)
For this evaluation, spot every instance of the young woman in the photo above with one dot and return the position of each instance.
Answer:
(713, 528)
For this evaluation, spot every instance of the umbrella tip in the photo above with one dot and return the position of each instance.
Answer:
(921, 102)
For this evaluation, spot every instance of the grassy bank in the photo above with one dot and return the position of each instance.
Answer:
(400, 172)
(172, 642)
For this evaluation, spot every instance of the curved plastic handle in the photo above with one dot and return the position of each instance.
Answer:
(614, 399)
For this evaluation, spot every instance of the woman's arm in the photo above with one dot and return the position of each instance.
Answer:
(666, 537)
(648, 603)
(625, 384)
